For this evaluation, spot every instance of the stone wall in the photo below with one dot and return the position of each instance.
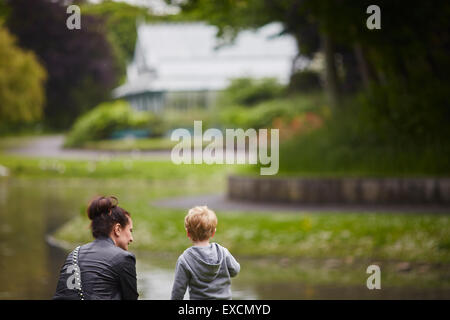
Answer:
(341, 190)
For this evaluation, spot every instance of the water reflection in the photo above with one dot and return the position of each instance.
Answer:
(28, 211)
(156, 274)
(155, 283)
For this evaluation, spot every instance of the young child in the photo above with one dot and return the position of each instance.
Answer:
(206, 268)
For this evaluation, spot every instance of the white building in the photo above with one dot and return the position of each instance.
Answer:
(179, 65)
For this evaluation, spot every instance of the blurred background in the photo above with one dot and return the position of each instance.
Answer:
(363, 116)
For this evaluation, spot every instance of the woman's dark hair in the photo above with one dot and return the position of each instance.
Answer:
(104, 213)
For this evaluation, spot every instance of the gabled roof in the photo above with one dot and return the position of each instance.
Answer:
(185, 56)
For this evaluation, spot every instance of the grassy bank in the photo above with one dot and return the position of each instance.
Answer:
(374, 236)
(398, 237)
(105, 168)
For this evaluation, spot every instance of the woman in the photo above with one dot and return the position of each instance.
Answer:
(102, 269)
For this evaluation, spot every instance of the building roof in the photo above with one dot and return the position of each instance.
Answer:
(186, 57)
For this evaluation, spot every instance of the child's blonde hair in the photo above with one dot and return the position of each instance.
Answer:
(201, 223)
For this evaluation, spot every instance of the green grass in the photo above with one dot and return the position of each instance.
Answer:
(125, 168)
(383, 236)
(315, 154)
(386, 236)
(328, 152)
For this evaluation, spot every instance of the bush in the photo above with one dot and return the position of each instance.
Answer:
(361, 139)
(415, 114)
(107, 118)
(264, 114)
(249, 92)
(22, 80)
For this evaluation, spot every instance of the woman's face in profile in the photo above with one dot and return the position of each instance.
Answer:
(123, 236)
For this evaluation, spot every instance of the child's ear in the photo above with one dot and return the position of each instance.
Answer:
(214, 232)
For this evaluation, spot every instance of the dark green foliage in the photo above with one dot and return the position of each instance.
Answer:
(81, 65)
(369, 141)
(305, 81)
(121, 24)
(399, 125)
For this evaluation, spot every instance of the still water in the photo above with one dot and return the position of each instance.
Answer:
(31, 209)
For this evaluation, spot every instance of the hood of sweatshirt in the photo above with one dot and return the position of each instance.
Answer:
(205, 262)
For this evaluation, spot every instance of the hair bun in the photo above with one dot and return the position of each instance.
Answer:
(101, 205)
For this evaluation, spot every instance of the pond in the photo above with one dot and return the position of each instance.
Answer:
(31, 209)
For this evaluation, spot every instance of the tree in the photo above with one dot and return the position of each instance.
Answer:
(120, 19)
(81, 65)
(408, 57)
(22, 80)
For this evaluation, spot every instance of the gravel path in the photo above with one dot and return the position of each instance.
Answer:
(52, 147)
(221, 202)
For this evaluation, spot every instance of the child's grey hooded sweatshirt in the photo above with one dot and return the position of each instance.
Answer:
(207, 272)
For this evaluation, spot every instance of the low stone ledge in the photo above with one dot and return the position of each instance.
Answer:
(341, 190)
